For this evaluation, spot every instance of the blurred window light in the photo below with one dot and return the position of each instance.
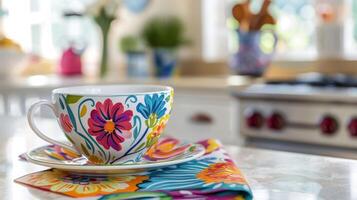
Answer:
(40, 28)
(214, 30)
(296, 28)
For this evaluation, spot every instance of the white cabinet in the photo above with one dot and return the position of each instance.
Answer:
(198, 115)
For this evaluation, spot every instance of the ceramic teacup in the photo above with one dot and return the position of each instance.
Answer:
(112, 124)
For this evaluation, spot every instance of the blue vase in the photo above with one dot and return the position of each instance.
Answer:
(250, 59)
(165, 62)
(137, 64)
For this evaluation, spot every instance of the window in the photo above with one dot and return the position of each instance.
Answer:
(298, 28)
(40, 28)
(295, 29)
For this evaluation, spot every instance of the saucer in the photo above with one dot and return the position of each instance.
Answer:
(167, 152)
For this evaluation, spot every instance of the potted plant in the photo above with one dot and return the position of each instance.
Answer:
(136, 59)
(164, 35)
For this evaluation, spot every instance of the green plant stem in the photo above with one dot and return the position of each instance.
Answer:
(104, 21)
(104, 58)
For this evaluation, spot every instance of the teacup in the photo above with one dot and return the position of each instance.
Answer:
(108, 124)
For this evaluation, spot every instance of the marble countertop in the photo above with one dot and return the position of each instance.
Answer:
(271, 174)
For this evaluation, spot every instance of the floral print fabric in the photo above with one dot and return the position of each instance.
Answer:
(212, 176)
(82, 186)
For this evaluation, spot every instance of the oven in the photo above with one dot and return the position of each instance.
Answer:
(305, 118)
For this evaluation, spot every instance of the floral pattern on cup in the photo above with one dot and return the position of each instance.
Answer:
(153, 109)
(115, 129)
(157, 130)
(66, 123)
(110, 124)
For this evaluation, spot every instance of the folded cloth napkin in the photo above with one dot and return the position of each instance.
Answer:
(212, 176)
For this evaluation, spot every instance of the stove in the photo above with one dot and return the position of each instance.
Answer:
(312, 114)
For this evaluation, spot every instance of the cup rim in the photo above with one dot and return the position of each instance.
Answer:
(137, 89)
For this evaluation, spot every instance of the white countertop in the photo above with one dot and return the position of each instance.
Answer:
(271, 174)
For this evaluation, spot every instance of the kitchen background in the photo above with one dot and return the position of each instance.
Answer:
(287, 82)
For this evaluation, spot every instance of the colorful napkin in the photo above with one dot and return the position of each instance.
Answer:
(212, 176)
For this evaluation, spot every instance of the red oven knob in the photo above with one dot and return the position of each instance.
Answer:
(352, 127)
(254, 120)
(328, 125)
(276, 121)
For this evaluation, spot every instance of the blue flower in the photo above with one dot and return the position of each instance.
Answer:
(154, 104)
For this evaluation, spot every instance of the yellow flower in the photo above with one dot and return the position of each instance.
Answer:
(164, 119)
(212, 145)
(84, 186)
(156, 132)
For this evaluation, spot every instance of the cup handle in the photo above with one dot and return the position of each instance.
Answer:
(31, 122)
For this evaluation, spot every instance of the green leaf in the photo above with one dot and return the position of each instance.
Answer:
(83, 111)
(88, 145)
(191, 149)
(152, 121)
(139, 147)
(71, 99)
(85, 151)
(71, 116)
(137, 126)
(68, 138)
(153, 141)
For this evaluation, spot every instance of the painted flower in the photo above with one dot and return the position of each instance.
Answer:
(225, 172)
(60, 153)
(195, 175)
(110, 124)
(65, 123)
(81, 185)
(165, 149)
(156, 132)
(210, 145)
(153, 109)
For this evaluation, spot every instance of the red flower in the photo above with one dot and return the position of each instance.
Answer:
(110, 124)
(66, 123)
